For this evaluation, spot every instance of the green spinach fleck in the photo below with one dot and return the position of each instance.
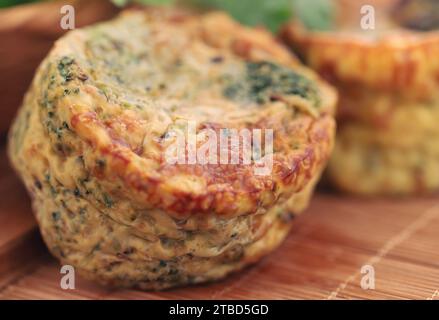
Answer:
(266, 81)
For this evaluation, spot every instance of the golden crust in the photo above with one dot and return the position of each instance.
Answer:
(398, 61)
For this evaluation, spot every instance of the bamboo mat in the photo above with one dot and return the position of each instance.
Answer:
(321, 259)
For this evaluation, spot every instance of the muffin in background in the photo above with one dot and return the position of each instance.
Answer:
(387, 138)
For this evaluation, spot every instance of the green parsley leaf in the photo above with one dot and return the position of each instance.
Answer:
(315, 14)
(271, 13)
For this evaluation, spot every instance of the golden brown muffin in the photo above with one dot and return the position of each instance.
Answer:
(389, 100)
(97, 123)
(397, 60)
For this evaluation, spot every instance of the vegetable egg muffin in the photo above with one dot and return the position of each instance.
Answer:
(91, 138)
(388, 107)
